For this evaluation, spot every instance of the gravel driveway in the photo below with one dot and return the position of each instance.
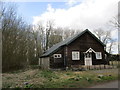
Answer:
(106, 71)
(113, 84)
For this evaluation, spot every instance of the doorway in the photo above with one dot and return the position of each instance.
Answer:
(88, 59)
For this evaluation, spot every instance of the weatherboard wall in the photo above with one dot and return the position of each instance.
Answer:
(45, 63)
(57, 62)
(82, 44)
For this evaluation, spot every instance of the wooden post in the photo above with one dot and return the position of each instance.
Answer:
(99, 67)
(39, 63)
(112, 64)
(65, 58)
(104, 66)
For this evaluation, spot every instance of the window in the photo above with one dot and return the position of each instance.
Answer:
(57, 56)
(75, 55)
(98, 55)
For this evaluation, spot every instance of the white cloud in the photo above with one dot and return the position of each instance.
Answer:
(72, 2)
(91, 14)
(88, 14)
(50, 9)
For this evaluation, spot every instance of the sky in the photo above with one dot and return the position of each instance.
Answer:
(29, 10)
(75, 14)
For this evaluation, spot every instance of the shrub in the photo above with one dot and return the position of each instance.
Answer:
(106, 78)
(49, 75)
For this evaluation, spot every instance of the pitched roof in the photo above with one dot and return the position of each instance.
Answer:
(57, 46)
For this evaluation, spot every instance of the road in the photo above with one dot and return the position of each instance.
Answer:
(113, 84)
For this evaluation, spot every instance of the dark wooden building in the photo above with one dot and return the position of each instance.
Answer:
(81, 49)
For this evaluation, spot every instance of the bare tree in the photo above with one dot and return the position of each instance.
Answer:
(49, 28)
(18, 41)
(115, 22)
(55, 36)
(105, 37)
(67, 32)
(48, 35)
(44, 34)
(112, 42)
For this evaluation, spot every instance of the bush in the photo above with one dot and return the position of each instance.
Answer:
(49, 75)
(106, 77)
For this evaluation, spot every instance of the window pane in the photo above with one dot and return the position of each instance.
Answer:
(98, 55)
(57, 55)
(75, 55)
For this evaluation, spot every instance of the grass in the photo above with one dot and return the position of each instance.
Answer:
(35, 78)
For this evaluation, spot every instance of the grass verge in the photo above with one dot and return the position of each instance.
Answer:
(36, 78)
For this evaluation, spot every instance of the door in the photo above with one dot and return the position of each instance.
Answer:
(88, 59)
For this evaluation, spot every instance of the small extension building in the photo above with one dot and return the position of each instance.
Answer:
(81, 49)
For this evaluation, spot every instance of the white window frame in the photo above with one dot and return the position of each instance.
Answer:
(98, 55)
(57, 55)
(75, 55)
